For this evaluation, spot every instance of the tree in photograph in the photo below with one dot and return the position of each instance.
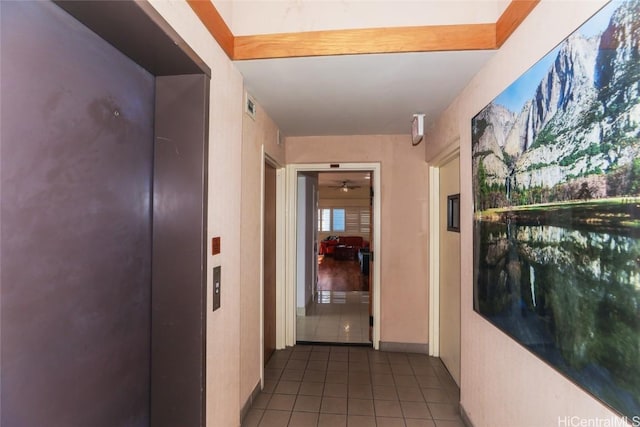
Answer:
(483, 187)
(634, 178)
(585, 192)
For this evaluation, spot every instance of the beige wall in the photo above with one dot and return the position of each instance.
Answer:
(403, 246)
(255, 134)
(503, 383)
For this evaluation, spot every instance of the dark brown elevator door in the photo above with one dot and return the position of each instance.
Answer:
(178, 299)
(269, 261)
(76, 163)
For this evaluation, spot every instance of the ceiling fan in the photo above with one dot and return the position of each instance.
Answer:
(345, 186)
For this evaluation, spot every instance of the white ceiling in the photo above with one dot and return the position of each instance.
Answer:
(358, 94)
(362, 179)
(250, 17)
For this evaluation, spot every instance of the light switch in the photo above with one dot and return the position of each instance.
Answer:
(215, 246)
(216, 287)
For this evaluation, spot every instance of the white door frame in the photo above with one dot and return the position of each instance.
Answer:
(445, 156)
(286, 290)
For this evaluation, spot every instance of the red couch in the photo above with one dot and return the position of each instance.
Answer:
(328, 246)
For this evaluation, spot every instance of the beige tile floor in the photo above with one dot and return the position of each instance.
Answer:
(336, 316)
(354, 386)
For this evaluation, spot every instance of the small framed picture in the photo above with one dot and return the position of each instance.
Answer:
(453, 213)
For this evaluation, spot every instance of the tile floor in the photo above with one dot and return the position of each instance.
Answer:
(336, 316)
(354, 386)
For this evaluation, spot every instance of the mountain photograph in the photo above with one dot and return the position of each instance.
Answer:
(576, 136)
(556, 192)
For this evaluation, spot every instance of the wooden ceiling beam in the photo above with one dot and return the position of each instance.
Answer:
(212, 20)
(511, 19)
(366, 41)
(363, 41)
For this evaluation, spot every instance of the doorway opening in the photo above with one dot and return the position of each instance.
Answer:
(334, 218)
(333, 239)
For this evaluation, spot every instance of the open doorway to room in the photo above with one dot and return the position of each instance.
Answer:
(334, 233)
(288, 290)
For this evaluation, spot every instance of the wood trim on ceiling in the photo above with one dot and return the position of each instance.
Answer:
(366, 41)
(211, 18)
(363, 41)
(511, 19)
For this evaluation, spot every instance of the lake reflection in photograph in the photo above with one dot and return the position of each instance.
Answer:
(569, 295)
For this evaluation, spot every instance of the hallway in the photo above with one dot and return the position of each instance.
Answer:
(354, 386)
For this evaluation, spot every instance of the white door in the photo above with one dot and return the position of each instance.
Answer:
(449, 273)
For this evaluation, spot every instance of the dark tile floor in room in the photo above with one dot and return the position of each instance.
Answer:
(354, 386)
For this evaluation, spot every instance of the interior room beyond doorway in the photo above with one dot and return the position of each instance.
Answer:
(339, 309)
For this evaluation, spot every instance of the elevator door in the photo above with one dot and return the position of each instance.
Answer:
(178, 300)
(76, 165)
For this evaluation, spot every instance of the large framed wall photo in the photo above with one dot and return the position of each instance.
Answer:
(556, 191)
